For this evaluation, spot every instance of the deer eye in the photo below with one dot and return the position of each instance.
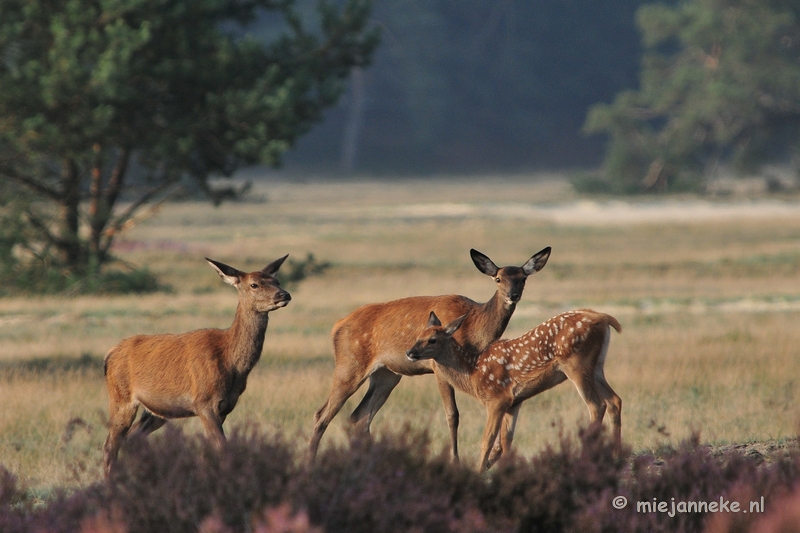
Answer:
(432, 341)
(497, 280)
(254, 285)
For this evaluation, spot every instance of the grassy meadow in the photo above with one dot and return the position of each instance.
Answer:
(708, 296)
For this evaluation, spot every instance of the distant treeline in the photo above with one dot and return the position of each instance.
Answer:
(474, 85)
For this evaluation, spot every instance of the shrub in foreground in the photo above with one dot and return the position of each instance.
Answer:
(177, 483)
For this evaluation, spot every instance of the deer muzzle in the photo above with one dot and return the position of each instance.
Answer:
(413, 355)
(282, 298)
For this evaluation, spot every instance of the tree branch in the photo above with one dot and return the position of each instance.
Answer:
(43, 229)
(123, 220)
(32, 183)
(96, 183)
(117, 177)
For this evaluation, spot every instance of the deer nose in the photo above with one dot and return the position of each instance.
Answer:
(282, 296)
(515, 296)
(411, 354)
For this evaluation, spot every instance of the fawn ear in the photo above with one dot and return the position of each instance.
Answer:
(455, 324)
(433, 320)
(537, 262)
(272, 268)
(228, 274)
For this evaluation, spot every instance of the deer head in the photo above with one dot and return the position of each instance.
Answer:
(434, 339)
(260, 291)
(511, 279)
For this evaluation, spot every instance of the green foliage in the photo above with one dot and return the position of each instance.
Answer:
(33, 279)
(27, 263)
(590, 183)
(296, 270)
(105, 99)
(14, 202)
(138, 281)
(720, 82)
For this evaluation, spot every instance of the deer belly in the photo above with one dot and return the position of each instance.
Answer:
(541, 383)
(405, 367)
(176, 408)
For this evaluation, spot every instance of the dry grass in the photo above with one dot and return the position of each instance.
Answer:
(709, 305)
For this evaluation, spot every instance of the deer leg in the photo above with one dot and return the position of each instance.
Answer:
(212, 425)
(506, 436)
(584, 383)
(342, 389)
(147, 424)
(614, 406)
(121, 417)
(494, 419)
(381, 384)
(448, 395)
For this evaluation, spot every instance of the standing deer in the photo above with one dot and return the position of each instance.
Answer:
(371, 342)
(571, 345)
(201, 373)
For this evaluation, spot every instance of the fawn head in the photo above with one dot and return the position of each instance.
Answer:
(432, 341)
(510, 279)
(260, 291)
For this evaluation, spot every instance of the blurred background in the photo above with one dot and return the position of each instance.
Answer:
(479, 87)
(111, 104)
(659, 96)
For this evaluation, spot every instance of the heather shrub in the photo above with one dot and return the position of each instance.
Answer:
(174, 482)
(279, 519)
(391, 484)
(12, 508)
(260, 483)
(547, 492)
(692, 473)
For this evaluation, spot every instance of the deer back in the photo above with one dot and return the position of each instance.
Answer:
(380, 333)
(533, 362)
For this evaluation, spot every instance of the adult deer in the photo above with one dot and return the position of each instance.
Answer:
(201, 373)
(371, 342)
(571, 345)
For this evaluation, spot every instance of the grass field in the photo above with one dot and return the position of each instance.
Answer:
(708, 295)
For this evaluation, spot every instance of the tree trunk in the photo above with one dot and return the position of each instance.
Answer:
(102, 201)
(69, 244)
(352, 130)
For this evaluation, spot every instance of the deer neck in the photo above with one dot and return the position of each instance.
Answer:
(489, 323)
(246, 339)
(458, 365)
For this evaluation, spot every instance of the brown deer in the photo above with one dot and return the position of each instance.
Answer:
(571, 345)
(371, 342)
(201, 373)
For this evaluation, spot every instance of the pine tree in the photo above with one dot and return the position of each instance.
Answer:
(95, 93)
(720, 82)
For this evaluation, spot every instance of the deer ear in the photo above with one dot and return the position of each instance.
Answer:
(272, 268)
(228, 274)
(537, 262)
(483, 263)
(433, 320)
(455, 324)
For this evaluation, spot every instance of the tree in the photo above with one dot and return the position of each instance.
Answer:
(100, 99)
(720, 81)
